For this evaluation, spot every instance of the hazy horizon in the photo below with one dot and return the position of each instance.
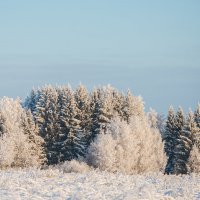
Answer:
(151, 47)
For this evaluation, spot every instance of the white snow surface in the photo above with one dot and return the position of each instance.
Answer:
(54, 184)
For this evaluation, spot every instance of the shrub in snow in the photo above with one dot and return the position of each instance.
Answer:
(73, 166)
(128, 148)
(17, 148)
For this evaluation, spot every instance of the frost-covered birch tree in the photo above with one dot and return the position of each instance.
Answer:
(129, 148)
(16, 147)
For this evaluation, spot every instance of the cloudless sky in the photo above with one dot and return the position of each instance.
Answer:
(151, 47)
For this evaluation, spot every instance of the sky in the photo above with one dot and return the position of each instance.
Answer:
(151, 47)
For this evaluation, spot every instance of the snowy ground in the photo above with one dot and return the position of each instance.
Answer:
(52, 184)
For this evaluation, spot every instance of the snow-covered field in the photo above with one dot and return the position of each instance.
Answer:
(53, 184)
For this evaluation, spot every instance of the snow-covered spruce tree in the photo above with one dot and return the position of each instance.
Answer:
(2, 124)
(197, 115)
(47, 119)
(197, 120)
(83, 102)
(180, 155)
(94, 107)
(129, 148)
(72, 138)
(31, 130)
(169, 140)
(102, 110)
(31, 101)
(15, 146)
(64, 93)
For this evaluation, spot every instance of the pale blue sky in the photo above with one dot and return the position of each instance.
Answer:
(151, 47)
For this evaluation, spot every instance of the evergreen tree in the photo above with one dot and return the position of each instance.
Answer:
(74, 129)
(83, 102)
(64, 95)
(71, 137)
(102, 110)
(197, 115)
(95, 106)
(197, 120)
(184, 144)
(31, 101)
(169, 139)
(181, 139)
(2, 124)
(46, 116)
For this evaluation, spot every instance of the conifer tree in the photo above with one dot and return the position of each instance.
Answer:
(169, 139)
(83, 102)
(2, 124)
(102, 110)
(181, 137)
(74, 130)
(71, 138)
(31, 101)
(95, 106)
(46, 115)
(197, 120)
(64, 94)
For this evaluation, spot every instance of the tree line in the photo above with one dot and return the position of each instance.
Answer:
(105, 127)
